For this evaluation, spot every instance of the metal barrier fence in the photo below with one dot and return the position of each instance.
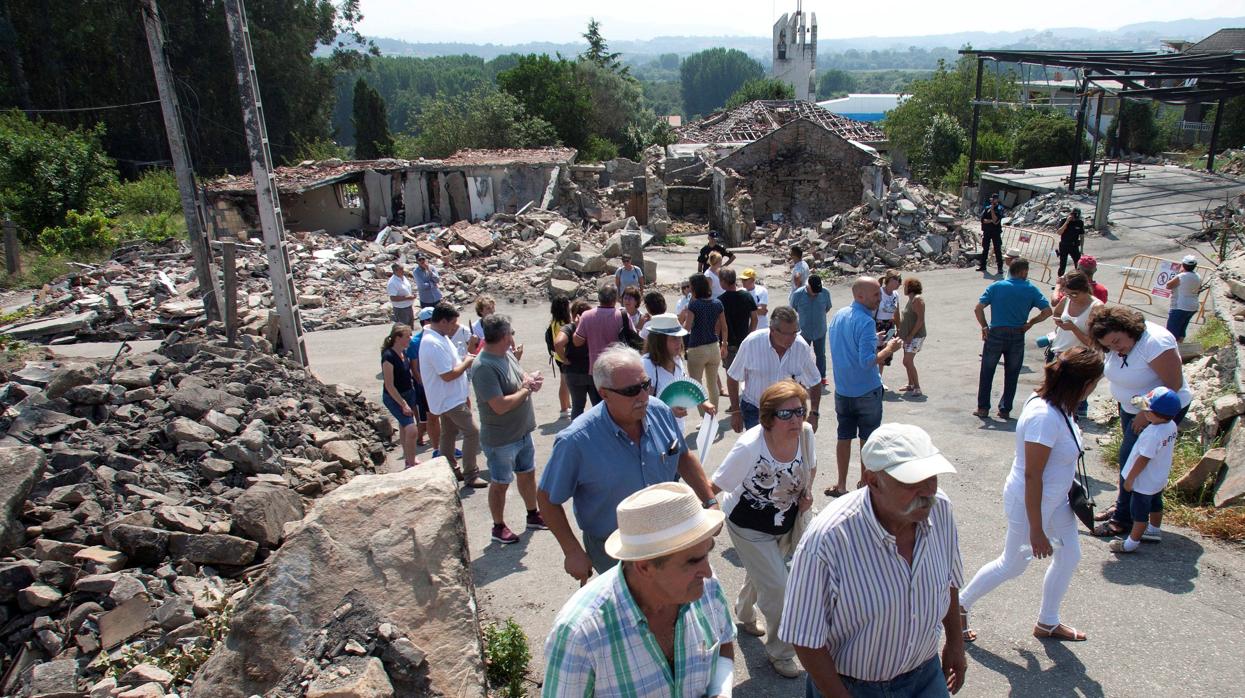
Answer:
(1038, 247)
(1146, 272)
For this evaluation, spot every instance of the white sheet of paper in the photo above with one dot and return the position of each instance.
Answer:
(704, 439)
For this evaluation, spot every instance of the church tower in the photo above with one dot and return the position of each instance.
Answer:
(795, 52)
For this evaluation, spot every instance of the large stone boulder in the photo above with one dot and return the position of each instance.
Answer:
(397, 539)
(20, 468)
(262, 511)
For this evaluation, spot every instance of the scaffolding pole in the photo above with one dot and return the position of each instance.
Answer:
(972, 150)
(271, 220)
(1080, 130)
(1214, 137)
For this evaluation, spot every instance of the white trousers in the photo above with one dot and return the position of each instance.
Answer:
(1059, 522)
(765, 583)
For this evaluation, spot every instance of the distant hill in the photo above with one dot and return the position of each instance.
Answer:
(1136, 37)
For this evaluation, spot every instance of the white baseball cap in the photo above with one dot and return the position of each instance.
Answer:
(1189, 261)
(905, 452)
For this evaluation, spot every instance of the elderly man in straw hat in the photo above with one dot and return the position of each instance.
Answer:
(656, 625)
(875, 574)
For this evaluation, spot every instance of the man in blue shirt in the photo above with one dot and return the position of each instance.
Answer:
(855, 358)
(1010, 301)
(624, 443)
(427, 281)
(812, 302)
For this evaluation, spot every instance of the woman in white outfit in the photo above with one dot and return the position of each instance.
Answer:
(1072, 320)
(768, 478)
(1040, 521)
(663, 359)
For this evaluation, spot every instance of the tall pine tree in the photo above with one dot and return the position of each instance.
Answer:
(371, 125)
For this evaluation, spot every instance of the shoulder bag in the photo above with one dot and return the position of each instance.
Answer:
(1078, 495)
(627, 334)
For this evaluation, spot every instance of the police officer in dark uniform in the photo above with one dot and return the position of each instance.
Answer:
(715, 245)
(1071, 237)
(992, 232)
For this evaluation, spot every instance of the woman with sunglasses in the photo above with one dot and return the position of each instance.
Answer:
(767, 479)
(398, 394)
(663, 360)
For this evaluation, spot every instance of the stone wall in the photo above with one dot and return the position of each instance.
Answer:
(684, 201)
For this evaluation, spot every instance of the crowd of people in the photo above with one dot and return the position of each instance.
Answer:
(867, 598)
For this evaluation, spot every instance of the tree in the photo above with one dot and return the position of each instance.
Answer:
(1232, 128)
(598, 50)
(1136, 130)
(617, 103)
(941, 146)
(47, 170)
(554, 91)
(1043, 140)
(763, 88)
(835, 83)
(482, 119)
(712, 76)
(371, 126)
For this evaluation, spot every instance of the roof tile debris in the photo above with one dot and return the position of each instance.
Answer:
(751, 121)
(530, 156)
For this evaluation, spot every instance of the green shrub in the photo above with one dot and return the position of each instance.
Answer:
(1215, 334)
(506, 656)
(598, 149)
(82, 232)
(154, 192)
(157, 227)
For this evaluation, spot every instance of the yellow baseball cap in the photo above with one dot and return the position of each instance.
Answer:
(748, 273)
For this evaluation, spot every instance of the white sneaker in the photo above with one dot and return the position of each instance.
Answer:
(1153, 534)
(786, 667)
(752, 627)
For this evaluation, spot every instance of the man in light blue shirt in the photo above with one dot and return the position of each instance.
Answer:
(628, 275)
(855, 358)
(427, 281)
(812, 303)
(1010, 302)
(624, 443)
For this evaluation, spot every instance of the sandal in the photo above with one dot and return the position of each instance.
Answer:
(1107, 529)
(1106, 514)
(834, 492)
(970, 635)
(1062, 632)
(907, 388)
(916, 392)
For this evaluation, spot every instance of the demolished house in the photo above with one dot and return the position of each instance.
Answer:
(773, 161)
(341, 197)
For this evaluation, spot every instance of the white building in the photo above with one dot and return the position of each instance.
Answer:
(795, 52)
(863, 107)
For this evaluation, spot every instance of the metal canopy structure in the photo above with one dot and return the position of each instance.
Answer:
(1189, 77)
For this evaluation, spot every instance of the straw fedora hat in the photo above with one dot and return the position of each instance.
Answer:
(659, 520)
(666, 323)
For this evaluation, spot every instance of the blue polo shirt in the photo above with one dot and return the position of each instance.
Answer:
(1010, 301)
(812, 311)
(854, 351)
(597, 465)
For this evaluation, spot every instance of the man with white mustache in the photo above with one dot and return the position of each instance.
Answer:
(874, 575)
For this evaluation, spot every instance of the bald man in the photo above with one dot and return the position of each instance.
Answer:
(855, 358)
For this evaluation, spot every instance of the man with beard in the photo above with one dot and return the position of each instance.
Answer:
(873, 576)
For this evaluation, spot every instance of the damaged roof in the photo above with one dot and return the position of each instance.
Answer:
(529, 156)
(751, 121)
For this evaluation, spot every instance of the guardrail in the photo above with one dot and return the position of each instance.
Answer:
(1146, 276)
(1036, 246)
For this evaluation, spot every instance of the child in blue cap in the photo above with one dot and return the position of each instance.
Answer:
(1145, 474)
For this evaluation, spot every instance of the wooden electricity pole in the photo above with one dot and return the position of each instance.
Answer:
(205, 274)
(270, 218)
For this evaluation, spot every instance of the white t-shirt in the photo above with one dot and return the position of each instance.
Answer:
(437, 355)
(888, 306)
(799, 272)
(1042, 423)
(714, 283)
(1156, 442)
(460, 339)
(400, 286)
(760, 294)
(477, 328)
(682, 303)
(1066, 339)
(1184, 296)
(750, 472)
(1137, 378)
(661, 378)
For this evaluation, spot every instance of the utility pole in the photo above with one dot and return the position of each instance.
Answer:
(209, 289)
(271, 220)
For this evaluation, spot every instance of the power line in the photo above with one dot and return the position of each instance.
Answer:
(78, 109)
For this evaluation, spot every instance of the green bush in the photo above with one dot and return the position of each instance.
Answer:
(154, 192)
(506, 655)
(598, 149)
(1044, 140)
(156, 227)
(82, 232)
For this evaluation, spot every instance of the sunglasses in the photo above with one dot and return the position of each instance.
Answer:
(633, 390)
(784, 415)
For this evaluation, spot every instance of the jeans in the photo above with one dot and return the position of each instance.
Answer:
(396, 410)
(506, 460)
(1178, 322)
(582, 390)
(1059, 522)
(751, 414)
(819, 352)
(925, 681)
(858, 416)
(988, 237)
(1007, 343)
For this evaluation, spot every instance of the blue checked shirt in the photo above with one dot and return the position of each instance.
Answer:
(852, 592)
(600, 644)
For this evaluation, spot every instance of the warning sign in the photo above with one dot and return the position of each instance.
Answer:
(1166, 272)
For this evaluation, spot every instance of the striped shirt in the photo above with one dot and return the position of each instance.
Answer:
(600, 644)
(758, 366)
(852, 592)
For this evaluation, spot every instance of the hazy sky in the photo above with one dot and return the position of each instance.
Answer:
(518, 21)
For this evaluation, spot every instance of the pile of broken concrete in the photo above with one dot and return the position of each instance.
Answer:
(1050, 210)
(136, 500)
(909, 227)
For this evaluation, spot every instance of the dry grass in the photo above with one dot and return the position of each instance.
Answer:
(1192, 511)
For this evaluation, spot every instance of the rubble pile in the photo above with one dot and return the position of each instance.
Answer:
(1049, 210)
(1226, 217)
(138, 497)
(910, 227)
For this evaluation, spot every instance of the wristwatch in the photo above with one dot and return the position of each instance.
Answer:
(711, 502)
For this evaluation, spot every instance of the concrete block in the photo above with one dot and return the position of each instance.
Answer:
(1206, 470)
(1232, 490)
(1228, 406)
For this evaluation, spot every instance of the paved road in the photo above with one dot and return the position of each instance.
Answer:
(1164, 621)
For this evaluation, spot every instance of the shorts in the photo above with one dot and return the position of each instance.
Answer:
(858, 416)
(420, 404)
(914, 346)
(1140, 506)
(396, 410)
(506, 460)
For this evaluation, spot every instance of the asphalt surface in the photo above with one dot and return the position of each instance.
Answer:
(1162, 622)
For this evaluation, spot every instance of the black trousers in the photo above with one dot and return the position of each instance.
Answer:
(988, 237)
(1071, 251)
